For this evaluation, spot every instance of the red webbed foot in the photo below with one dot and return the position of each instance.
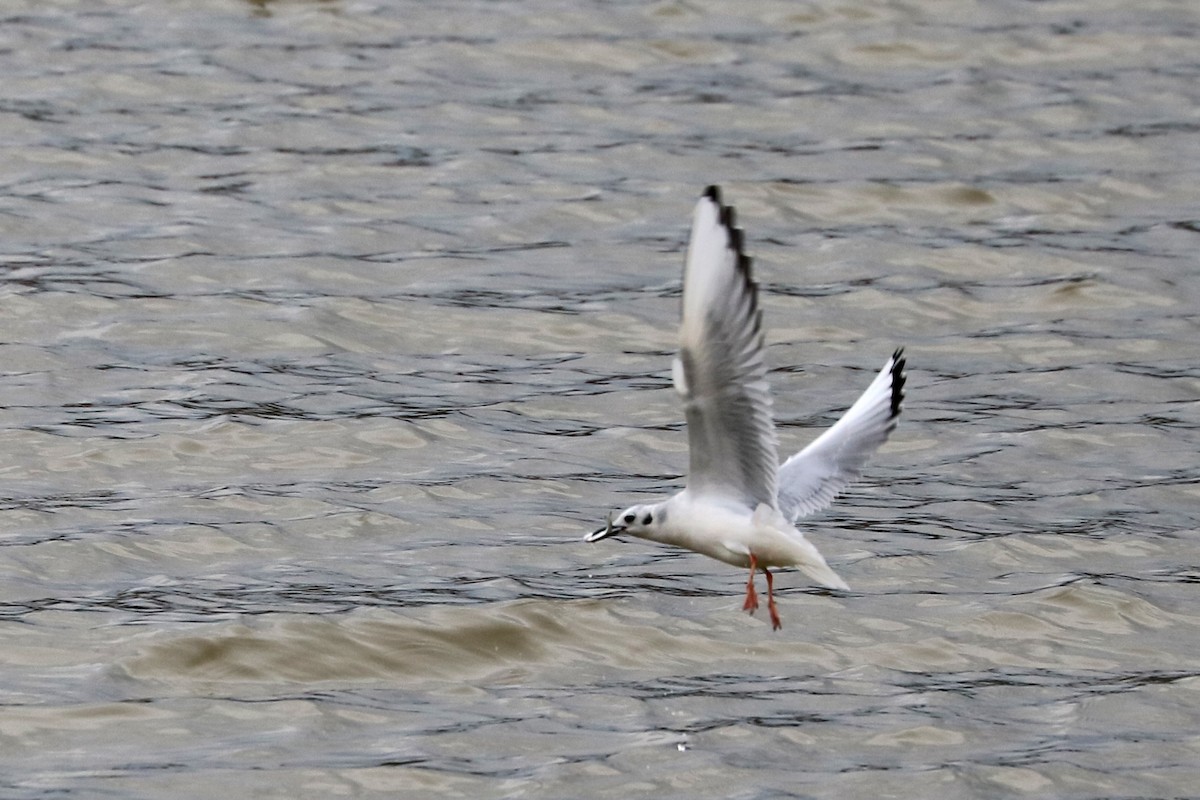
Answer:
(776, 624)
(751, 604)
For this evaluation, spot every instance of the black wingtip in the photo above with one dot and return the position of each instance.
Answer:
(737, 243)
(737, 239)
(898, 379)
(726, 214)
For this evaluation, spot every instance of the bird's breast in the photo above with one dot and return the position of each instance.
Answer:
(728, 532)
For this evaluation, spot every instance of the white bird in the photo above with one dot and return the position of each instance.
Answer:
(740, 505)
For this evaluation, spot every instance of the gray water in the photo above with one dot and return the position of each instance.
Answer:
(329, 328)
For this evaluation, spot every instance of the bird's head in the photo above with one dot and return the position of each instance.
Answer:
(635, 520)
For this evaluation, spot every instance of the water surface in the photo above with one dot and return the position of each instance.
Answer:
(331, 327)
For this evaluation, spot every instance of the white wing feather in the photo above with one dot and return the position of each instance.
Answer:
(811, 479)
(720, 373)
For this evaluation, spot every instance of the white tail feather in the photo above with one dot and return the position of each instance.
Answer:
(807, 558)
(814, 566)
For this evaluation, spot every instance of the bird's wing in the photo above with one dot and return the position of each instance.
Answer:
(811, 479)
(720, 373)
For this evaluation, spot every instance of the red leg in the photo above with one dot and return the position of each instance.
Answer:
(751, 603)
(775, 623)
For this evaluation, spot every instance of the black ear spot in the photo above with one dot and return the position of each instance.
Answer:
(646, 520)
(629, 518)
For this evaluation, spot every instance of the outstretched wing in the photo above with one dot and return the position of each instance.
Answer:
(720, 373)
(811, 479)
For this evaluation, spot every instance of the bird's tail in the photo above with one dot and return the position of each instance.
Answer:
(808, 558)
(815, 567)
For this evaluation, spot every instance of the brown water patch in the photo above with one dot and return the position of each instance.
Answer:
(497, 642)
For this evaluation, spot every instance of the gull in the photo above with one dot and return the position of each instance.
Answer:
(740, 505)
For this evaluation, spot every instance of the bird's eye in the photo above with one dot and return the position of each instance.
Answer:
(646, 520)
(629, 518)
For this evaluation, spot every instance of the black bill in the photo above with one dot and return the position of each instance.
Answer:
(603, 533)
